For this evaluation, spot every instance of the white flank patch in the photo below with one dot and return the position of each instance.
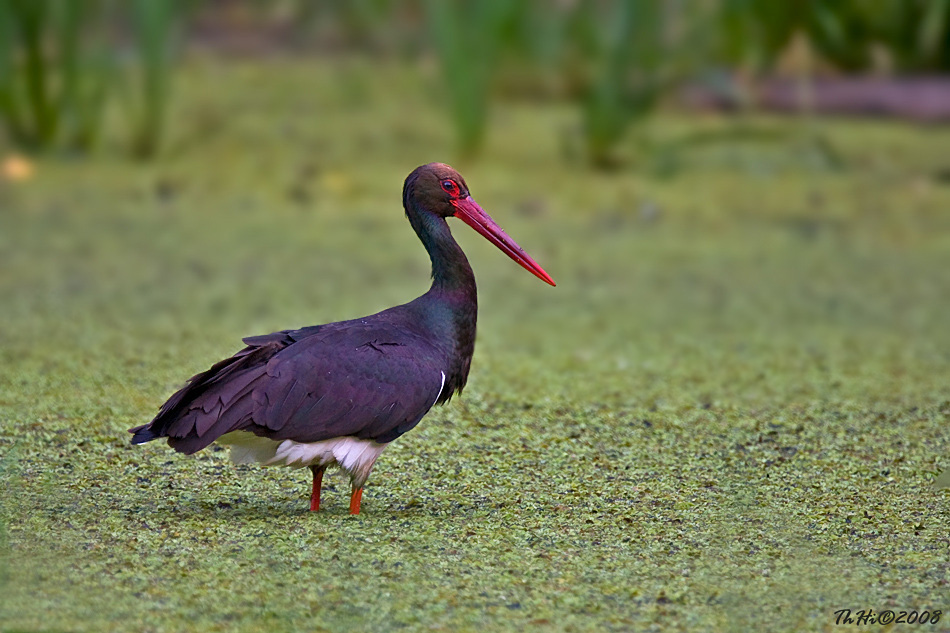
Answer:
(352, 454)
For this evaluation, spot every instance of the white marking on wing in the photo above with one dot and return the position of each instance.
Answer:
(439, 395)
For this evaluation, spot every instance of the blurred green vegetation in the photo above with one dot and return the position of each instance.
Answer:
(153, 28)
(727, 416)
(62, 63)
(48, 97)
(736, 395)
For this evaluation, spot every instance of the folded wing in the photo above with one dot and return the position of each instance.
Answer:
(307, 385)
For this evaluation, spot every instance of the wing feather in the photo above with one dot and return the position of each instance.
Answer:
(307, 385)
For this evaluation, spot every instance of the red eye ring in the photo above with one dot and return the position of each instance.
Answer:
(449, 187)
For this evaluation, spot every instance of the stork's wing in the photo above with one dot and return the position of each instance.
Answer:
(367, 381)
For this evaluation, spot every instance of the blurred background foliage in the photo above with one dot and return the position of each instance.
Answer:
(67, 65)
(749, 323)
(64, 62)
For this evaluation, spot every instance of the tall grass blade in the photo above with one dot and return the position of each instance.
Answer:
(153, 23)
(467, 37)
(11, 104)
(934, 33)
(84, 66)
(28, 20)
(628, 68)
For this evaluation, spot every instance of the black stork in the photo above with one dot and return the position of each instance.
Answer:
(338, 394)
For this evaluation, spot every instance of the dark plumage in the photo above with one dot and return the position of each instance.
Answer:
(337, 394)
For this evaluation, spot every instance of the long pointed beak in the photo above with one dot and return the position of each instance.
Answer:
(474, 216)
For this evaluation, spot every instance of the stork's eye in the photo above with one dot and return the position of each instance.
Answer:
(449, 187)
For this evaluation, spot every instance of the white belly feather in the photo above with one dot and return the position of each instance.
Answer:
(349, 453)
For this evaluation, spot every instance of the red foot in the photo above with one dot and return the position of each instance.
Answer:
(317, 483)
(355, 501)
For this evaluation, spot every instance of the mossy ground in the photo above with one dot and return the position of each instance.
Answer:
(727, 416)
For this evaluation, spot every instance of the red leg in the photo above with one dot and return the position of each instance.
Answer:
(355, 501)
(317, 483)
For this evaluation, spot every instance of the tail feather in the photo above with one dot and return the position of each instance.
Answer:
(142, 434)
(190, 419)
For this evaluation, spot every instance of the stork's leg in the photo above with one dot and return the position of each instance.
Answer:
(317, 484)
(355, 499)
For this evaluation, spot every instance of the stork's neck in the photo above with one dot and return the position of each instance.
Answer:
(451, 272)
(451, 305)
